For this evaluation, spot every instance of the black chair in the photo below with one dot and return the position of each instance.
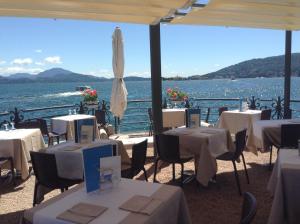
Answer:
(100, 116)
(50, 135)
(240, 142)
(28, 124)
(150, 121)
(249, 208)
(139, 153)
(266, 114)
(9, 160)
(168, 151)
(45, 170)
(222, 109)
(290, 134)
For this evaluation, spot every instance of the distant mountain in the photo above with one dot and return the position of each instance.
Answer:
(135, 78)
(59, 75)
(261, 67)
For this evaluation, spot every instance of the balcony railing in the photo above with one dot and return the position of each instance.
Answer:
(136, 115)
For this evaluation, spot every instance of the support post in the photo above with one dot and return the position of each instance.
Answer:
(287, 74)
(156, 81)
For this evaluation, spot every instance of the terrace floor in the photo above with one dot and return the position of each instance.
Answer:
(218, 203)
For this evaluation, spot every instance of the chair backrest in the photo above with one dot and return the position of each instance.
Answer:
(266, 114)
(45, 169)
(28, 124)
(168, 147)
(193, 117)
(249, 208)
(100, 116)
(222, 109)
(43, 126)
(290, 133)
(139, 153)
(240, 143)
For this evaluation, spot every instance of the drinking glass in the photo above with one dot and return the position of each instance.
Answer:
(70, 112)
(12, 124)
(5, 127)
(74, 111)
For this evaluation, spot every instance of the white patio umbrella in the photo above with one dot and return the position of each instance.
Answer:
(118, 100)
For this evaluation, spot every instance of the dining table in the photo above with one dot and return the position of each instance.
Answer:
(204, 144)
(284, 185)
(267, 133)
(173, 117)
(69, 160)
(132, 201)
(65, 124)
(17, 144)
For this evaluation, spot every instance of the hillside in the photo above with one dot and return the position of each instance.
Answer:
(262, 67)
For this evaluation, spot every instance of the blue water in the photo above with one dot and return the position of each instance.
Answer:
(37, 95)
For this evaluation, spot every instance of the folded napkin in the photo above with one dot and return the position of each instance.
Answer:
(141, 204)
(82, 213)
(71, 148)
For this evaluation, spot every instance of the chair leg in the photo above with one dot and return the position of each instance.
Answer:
(35, 194)
(145, 174)
(62, 190)
(155, 170)
(182, 169)
(270, 164)
(246, 172)
(237, 177)
(12, 170)
(173, 167)
(57, 139)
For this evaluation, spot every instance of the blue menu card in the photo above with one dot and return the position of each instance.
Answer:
(84, 130)
(193, 118)
(91, 164)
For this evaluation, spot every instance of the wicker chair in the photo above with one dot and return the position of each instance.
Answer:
(50, 135)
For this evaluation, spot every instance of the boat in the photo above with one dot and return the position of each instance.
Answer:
(82, 88)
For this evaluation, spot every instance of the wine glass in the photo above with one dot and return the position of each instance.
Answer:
(12, 124)
(5, 127)
(74, 111)
(70, 112)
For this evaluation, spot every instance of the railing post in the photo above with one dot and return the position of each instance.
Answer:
(287, 73)
(16, 116)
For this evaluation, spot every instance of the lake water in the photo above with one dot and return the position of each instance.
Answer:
(35, 95)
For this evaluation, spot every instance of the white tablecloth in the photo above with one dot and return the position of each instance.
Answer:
(173, 117)
(205, 144)
(69, 156)
(284, 185)
(258, 137)
(17, 144)
(236, 121)
(173, 210)
(65, 124)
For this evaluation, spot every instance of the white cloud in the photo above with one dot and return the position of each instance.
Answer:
(216, 65)
(102, 73)
(53, 60)
(19, 69)
(139, 73)
(2, 62)
(38, 51)
(39, 63)
(22, 61)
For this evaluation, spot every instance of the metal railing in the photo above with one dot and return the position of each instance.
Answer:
(136, 115)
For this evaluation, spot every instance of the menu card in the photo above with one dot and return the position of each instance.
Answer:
(84, 130)
(91, 164)
(193, 118)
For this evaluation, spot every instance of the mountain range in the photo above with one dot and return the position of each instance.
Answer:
(261, 67)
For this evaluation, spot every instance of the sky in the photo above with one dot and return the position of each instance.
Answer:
(82, 46)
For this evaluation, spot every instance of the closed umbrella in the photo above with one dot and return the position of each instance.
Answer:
(118, 100)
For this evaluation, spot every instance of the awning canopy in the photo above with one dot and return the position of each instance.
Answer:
(127, 11)
(270, 14)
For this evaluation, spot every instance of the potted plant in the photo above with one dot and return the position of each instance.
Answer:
(90, 97)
